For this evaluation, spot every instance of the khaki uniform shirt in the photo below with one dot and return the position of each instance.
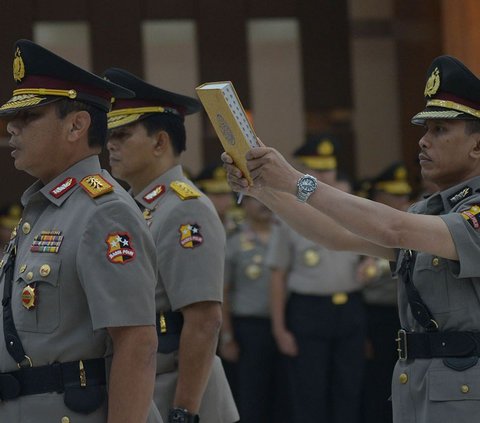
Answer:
(247, 274)
(190, 246)
(426, 390)
(69, 252)
(312, 269)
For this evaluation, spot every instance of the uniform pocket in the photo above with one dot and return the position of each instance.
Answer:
(36, 296)
(451, 385)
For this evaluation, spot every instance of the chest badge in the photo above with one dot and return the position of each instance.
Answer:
(190, 236)
(120, 249)
(29, 297)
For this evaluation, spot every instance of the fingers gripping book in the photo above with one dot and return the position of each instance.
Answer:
(229, 120)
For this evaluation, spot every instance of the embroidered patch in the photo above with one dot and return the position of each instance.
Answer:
(95, 185)
(184, 190)
(154, 194)
(465, 192)
(190, 236)
(63, 187)
(471, 216)
(120, 249)
(47, 242)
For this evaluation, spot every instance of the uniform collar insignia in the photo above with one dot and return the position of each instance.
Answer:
(63, 187)
(154, 194)
(460, 195)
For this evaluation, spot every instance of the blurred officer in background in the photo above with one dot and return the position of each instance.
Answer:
(212, 180)
(390, 187)
(246, 336)
(317, 311)
(78, 276)
(146, 138)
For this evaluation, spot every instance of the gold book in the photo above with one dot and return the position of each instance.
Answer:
(230, 121)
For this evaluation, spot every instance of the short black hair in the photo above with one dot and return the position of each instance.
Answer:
(172, 124)
(472, 126)
(97, 133)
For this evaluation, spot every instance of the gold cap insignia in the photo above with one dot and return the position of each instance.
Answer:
(433, 83)
(18, 66)
(184, 190)
(325, 148)
(400, 174)
(95, 185)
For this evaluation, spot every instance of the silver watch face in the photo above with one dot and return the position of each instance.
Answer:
(308, 184)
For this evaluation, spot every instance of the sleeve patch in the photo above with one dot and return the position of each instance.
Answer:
(471, 216)
(120, 249)
(190, 236)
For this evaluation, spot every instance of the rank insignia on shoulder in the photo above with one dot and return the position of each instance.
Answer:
(154, 193)
(96, 186)
(63, 187)
(120, 249)
(471, 216)
(190, 236)
(184, 190)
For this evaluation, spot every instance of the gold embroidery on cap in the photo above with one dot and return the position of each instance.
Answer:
(22, 101)
(433, 83)
(18, 66)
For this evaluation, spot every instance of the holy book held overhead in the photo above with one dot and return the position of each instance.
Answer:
(229, 120)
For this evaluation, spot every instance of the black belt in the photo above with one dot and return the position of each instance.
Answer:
(169, 323)
(52, 378)
(437, 344)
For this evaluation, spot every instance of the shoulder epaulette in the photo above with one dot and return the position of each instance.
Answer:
(96, 186)
(184, 190)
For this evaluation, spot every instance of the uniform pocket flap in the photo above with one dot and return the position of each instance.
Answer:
(451, 385)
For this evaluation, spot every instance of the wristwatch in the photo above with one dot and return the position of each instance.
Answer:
(182, 415)
(306, 186)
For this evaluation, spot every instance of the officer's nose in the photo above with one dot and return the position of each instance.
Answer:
(111, 145)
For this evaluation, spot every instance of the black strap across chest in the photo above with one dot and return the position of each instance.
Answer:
(12, 340)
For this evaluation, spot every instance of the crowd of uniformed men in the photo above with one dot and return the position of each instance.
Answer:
(118, 306)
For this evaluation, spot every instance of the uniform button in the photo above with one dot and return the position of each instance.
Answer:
(29, 276)
(403, 378)
(65, 420)
(45, 270)
(22, 269)
(26, 228)
(465, 389)
(435, 261)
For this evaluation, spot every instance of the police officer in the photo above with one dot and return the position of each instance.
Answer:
(389, 187)
(78, 276)
(247, 335)
(317, 311)
(146, 137)
(435, 247)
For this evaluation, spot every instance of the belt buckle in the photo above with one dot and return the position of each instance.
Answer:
(402, 345)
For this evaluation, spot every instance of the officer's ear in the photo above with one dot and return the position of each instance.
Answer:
(161, 142)
(78, 124)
